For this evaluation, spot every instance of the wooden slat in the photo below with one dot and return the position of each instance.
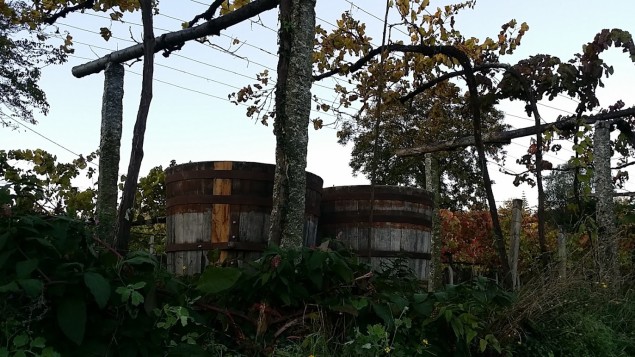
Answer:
(221, 212)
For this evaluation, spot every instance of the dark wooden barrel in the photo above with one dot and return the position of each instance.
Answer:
(401, 225)
(224, 207)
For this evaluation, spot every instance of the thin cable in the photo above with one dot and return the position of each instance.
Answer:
(194, 90)
(52, 141)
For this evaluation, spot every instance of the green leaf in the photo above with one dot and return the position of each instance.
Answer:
(20, 340)
(217, 279)
(99, 287)
(32, 287)
(24, 268)
(42, 242)
(349, 309)
(140, 260)
(71, 318)
(284, 296)
(38, 342)
(482, 345)
(138, 285)
(383, 311)
(49, 352)
(3, 239)
(124, 292)
(360, 303)
(317, 280)
(344, 272)
(5, 256)
(10, 287)
(316, 260)
(136, 298)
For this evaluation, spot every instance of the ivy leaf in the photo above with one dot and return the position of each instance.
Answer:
(71, 318)
(216, 279)
(99, 287)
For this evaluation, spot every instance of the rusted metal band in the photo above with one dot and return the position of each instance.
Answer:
(383, 216)
(329, 196)
(238, 200)
(218, 174)
(248, 200)
(313, 182)
(201, 203)
(242, 246)
(393, 254)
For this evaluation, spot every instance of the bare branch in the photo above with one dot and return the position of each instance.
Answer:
(213, 27)
(81, 6)
(506, 136)
(208, 14)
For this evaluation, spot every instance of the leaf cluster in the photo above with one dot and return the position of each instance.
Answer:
(22, 55)
(36, 183)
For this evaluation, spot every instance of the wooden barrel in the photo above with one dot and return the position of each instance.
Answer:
(224, 207)
(401, 224)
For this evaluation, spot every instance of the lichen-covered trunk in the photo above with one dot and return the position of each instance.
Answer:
(109, 146)
(605, 215)
(136, 155)
(293, 107)
(433, 184)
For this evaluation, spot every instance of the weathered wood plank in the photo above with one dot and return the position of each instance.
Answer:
(220, 212)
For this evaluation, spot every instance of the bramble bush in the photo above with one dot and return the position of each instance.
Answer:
(64, 293)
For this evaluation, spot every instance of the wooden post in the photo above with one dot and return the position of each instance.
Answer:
(514, 242)
(109, 146)
(606, 253)
(435, 277)
(562, 254)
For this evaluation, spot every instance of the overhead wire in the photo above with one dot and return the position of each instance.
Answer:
(189, 73)
(50, 140)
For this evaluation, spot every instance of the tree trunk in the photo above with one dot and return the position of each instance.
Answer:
(514, 242)
(293, 107)
(606, 253)
(109, 146)
(136, 156)
(433, 184)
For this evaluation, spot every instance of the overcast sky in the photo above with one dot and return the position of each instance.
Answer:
(192, 120)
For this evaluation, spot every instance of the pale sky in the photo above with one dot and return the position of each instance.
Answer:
(191, 119)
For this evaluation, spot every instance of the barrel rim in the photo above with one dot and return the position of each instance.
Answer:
(382, 192)
(171, 169)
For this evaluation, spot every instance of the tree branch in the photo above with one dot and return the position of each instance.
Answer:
(425, 50)
(447, 76)
(136, 156)
(213, 27)
(507, 136)
(81, 6)
(207, 15)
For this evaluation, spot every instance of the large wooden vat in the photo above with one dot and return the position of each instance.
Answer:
(401, 223)
(224, 207)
